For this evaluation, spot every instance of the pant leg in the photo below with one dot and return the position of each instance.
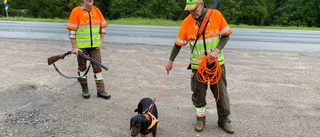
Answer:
(82, 62)
(96, 55)
(82, 66)
(199, 91)
(223, 104)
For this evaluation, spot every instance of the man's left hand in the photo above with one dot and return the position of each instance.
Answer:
(214, 54)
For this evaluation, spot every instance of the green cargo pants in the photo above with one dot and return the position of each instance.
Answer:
(200, 90)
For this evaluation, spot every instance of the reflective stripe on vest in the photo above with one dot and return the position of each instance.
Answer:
(83, 37)
(198, 52)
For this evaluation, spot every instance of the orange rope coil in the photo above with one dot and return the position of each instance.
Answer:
(204, 74)
(209, 75)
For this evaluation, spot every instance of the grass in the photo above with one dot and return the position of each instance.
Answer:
(32, 19)
(155, 22)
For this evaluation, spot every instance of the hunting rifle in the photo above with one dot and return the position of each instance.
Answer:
(216, 4)
(55, 58)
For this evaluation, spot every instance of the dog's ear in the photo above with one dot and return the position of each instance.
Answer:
(131, 123)
(145, 124)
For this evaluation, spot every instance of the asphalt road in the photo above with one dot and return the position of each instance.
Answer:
(259, 39)
(272, 93)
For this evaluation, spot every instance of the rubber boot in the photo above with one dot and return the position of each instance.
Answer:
(101, 92)
(226, 126)
(201, 121)
(85, 89)
(225, 123)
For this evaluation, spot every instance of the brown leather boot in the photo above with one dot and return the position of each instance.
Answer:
(101, 92)
(85, 89)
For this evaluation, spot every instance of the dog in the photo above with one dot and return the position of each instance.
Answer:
(147, 119)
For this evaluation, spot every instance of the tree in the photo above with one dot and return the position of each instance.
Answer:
(231, 9)
(251, 12)
(144, 9)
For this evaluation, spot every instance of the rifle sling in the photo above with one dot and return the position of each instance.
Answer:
(202, 27)
(69, 77)
(201, 31)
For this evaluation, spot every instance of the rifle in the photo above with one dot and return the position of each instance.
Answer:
(216, 4)
(92, 60)
(55, 58)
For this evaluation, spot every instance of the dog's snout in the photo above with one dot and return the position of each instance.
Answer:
(133, 134)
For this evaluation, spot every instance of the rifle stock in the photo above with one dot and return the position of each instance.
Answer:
(216, 4)
(55, 58)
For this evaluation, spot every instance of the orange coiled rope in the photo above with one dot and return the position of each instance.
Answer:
(209, 73)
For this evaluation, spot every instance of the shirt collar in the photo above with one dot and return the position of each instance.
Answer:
(85, 7)
(203, 13)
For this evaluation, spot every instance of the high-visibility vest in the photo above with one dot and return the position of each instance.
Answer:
(216, 27)
(87, 25)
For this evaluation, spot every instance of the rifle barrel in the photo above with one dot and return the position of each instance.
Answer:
(93, 60)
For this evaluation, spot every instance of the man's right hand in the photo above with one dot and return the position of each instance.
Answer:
(169, 66)
(75, 51)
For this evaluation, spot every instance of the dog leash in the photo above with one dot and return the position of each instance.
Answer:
(157, 94)
(148, 111)
(202, 77)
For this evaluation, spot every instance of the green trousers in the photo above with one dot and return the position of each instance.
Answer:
(200, 91)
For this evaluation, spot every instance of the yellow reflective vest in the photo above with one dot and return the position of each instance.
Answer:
(87, 25)
(217, 27)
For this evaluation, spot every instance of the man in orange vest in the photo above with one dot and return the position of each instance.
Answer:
(209, 44)
(86, 27)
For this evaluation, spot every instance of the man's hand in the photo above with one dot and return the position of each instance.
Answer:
(169, 66)
(214, 54)
(98, 47)
(75, 51)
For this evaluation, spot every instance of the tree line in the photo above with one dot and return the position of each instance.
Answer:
(250, 12)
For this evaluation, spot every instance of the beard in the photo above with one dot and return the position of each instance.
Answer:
(195, 15)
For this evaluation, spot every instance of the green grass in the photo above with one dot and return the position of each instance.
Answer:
(32, 19)
(155, 22)
(275, 27)
(141, 21)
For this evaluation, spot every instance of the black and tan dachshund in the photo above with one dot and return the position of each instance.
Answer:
(147, 119)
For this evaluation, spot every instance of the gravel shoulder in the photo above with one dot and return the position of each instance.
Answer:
(271, 93)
